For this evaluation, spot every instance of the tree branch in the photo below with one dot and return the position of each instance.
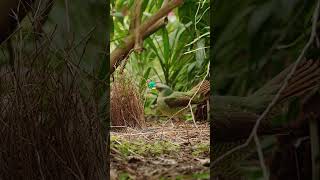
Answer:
(120, 53)
(138, 46)
(150, 26)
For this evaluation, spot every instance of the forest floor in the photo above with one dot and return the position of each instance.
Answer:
(161, 152)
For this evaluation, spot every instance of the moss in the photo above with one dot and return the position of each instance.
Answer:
(198, 176)
(124, 176)
(201, 149)
(143, 148)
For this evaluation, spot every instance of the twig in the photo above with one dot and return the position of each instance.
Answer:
(125, 60)
(75, 161)
(261, 158)
(130, 150)
(152, 132)
(39, 163)
(297, 164)
(118, 126)
(282, 35)
(193, 119)
(274, 100)
(314, 141)
(63, 162)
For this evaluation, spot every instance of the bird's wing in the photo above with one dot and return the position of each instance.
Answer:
(203, 88)
(305, 78)
(177, 99)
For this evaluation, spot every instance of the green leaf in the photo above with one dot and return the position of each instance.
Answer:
(166, 45)
(149, 41)
(200, 53)
(229, 32)
(259, 16)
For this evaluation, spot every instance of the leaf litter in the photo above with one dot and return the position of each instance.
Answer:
(161, 152)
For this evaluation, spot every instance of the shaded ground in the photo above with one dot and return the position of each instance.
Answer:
(170, 152)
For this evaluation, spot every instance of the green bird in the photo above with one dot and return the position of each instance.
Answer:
(233, 117)
(237, 115)
(173, 103)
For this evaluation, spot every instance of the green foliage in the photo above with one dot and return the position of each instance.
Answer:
(179, 63)
(256, 39)
(143, 148)
(176, 55)
(197, 12)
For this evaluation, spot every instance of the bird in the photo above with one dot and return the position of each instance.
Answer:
(233, 117)
(237, 114)
(172, 103)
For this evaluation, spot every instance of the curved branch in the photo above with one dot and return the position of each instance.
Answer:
(120, 53)
(150, 26)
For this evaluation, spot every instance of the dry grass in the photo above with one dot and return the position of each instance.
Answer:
(48, 129)
(126, 105)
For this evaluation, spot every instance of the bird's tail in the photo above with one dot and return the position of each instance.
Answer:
(305, 78)
(202, 89)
